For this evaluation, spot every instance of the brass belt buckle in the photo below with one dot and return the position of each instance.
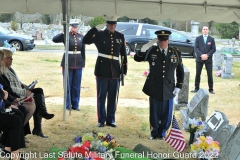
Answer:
(74, 52)
(110, 57)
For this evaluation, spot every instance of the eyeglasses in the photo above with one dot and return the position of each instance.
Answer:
(204, 29)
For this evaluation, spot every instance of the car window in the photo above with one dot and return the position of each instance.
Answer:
(127, 28)
(151, 33)
(177, 37)
(152, 28)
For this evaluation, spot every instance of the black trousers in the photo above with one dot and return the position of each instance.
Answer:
(12, 127)
(199, 66)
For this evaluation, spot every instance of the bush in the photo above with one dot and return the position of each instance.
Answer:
(97, 20)
(14, 26)
(228, 31)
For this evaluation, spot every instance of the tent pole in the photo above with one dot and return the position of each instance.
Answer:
(66, 39)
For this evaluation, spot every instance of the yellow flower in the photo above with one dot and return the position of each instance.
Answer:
(194, 147)
(101, 134)
(87, 137)
(200, 127)
(105, 144)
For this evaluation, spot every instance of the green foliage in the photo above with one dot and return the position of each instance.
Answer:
(46, 19)
(230, 30)
(166, 24)
(149, 21)
(6, 17)
(97, 20)
(123, 19)
(14, 26)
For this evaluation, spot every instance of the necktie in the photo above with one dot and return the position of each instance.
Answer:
(205, 39)
(163, 54)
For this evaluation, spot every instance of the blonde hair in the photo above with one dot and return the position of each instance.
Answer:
(7, 53)
(1, 58)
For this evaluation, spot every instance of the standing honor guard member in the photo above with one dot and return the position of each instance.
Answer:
(160, 83)
(111, 48)
(76, 61)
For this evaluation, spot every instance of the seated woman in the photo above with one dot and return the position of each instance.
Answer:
(12, 126)
(14, 98)
(22, 90)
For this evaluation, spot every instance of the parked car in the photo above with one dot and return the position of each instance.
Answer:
(138, 34)
(20, 42)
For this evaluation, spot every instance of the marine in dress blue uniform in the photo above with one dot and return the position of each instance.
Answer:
(160, 84)
(111, 48)
(76, 62)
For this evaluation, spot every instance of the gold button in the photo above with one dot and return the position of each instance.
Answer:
(163, 76)
(163, 71)
(112, 41)
(111, 57)
(163, 61)
(111, 52)
(111, 35)
(112, 45)
(111, 48)
(163, 66)
(111, 38)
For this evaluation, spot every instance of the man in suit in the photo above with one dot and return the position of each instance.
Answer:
(111, 47)
(160, 84)
(204, 49)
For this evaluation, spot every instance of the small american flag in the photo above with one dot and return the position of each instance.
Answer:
(175, 137)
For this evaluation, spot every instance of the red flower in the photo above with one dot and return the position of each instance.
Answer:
(61, 158)
(86, 144)
(93, 155)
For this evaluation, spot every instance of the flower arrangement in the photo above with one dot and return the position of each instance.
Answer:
(132, 54)
(91, 146)
(218, 73)
(206, 147)
(195, 125)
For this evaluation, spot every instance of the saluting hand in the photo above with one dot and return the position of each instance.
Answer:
(148, 45)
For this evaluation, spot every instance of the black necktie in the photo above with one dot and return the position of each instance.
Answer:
(163, 54)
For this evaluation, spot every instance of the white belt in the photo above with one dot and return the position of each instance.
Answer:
(74, 52)
(108, 56)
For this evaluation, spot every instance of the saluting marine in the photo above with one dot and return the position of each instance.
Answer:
(160, 84)
(76, 61)
(111, 47)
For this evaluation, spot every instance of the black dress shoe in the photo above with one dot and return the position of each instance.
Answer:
(46, 115)
(100, 125)
(195, 90)
(76, 109)
(111, 124)
(212, 92)
(39, 133)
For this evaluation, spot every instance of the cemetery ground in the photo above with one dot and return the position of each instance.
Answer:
(132, 115)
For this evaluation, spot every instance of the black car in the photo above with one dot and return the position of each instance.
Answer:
(20, 42)
(138, 34)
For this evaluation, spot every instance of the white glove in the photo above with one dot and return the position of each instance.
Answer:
(175, 99)
(176, 90)
(148, 45)
(100, 26)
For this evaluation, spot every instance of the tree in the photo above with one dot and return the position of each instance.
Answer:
(26, 18)
(97, 20)
(147, 20)
(123, 19)
(230, 30)
(46, 19)
(6, 17)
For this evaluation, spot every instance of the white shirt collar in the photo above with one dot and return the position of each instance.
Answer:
(205, 35)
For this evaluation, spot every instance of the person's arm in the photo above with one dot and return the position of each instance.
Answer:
(123, 56)
(196, 47)
(59, 38)
(83, 54)
(213, 48)
(179, 72)
(89, 38)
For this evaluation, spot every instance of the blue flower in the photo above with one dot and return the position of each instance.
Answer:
(78, 139)
(109, 137)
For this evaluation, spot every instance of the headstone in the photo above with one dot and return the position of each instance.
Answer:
(217, 60)
(232, 151)
(194, 28)
(227, 66)
(215, 123)
(183, 93)
(198, 106)
(224, 135)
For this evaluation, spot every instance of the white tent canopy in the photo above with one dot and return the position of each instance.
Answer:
(182, 10)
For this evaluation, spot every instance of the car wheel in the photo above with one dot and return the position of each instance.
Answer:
(128, 49)
(17, 45)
